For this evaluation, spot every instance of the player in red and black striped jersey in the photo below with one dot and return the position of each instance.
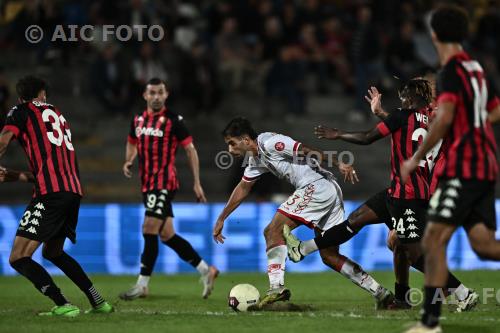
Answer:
(467, 105)
(155, 134)
(408, 126)
(52, 215)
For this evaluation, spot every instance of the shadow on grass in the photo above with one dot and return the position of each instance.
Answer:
(283, 307)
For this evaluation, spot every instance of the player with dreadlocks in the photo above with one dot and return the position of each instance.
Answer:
(402, 207)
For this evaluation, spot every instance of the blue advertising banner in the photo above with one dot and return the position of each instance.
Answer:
(109, 241)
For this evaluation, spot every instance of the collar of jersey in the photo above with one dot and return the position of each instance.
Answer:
(162, 111)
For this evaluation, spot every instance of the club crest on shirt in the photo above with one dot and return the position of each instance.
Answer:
(279, 146)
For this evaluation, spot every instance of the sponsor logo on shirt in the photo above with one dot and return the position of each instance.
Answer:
(279, 146)
(148, 131)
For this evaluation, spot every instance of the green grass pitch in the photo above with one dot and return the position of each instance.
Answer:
(175, 305)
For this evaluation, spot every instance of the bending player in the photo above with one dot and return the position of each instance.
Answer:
(316, 202)
(403, 206)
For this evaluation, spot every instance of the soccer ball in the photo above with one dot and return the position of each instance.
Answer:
(243, 296)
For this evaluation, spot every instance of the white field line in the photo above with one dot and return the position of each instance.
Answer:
(295, 314)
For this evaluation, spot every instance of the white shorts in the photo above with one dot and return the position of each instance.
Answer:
(318, 205)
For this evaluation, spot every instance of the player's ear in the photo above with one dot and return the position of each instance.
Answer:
(144, 95)
(42, 95)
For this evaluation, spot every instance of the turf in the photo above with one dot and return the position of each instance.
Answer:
(175, 305)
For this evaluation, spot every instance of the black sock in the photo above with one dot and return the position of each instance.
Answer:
(184, 250)
(432, 307)
(149, 255)
(400, 291)
(336, 235)
(40, 279)
(452, 283)
(74, 271)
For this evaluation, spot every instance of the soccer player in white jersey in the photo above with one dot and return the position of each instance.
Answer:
(316, 203)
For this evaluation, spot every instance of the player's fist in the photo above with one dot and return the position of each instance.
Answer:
(200, 194)
(323, 132)
(126, 169)
(217, 233)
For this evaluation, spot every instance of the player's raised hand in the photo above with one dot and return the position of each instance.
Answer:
(323, 132)
(126, 169)
(200, 194)
(217, 233)
(349, 173)
(407, 168)
(375, 100)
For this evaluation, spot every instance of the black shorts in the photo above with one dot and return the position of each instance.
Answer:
(378, 203)
(51, 216)
(408, 218)
(158, 203)
(464, 203)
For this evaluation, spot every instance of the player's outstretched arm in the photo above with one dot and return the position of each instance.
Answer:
(8, 175)
(130, 154)
(5, 138)
(438, 128)
(240, 192)
(194, 165)
(332, 160)
(359, 138)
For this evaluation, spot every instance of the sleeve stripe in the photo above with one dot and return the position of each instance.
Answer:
(447, 97)
(132, 140)
(296, 147)
(186, 141)
(12, 128)
(383, 129)
(493, 104)
(249, 179)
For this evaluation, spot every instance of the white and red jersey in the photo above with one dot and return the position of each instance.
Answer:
(277, 154)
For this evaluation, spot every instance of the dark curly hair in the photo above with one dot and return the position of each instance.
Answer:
(419, 90)
(238, 127)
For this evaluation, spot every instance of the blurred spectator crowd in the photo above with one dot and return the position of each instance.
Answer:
(280, 49)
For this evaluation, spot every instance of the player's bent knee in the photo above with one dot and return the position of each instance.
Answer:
(51, 253)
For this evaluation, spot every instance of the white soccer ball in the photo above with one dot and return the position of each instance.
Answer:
(243, 296)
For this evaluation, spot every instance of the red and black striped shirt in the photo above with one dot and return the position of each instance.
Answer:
(408, 128)
(157, 136)
(45, 136)
(471, 152)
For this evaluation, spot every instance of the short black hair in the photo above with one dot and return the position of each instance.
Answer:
(238, 127)
(450, 23)
(154, 82)
(30, 86)
(419, 90)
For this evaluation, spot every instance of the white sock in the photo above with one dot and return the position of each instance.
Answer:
(461, 292)
(202, 267)
(143, 280)
(359, 277)
(308, 247)
(276, 258)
